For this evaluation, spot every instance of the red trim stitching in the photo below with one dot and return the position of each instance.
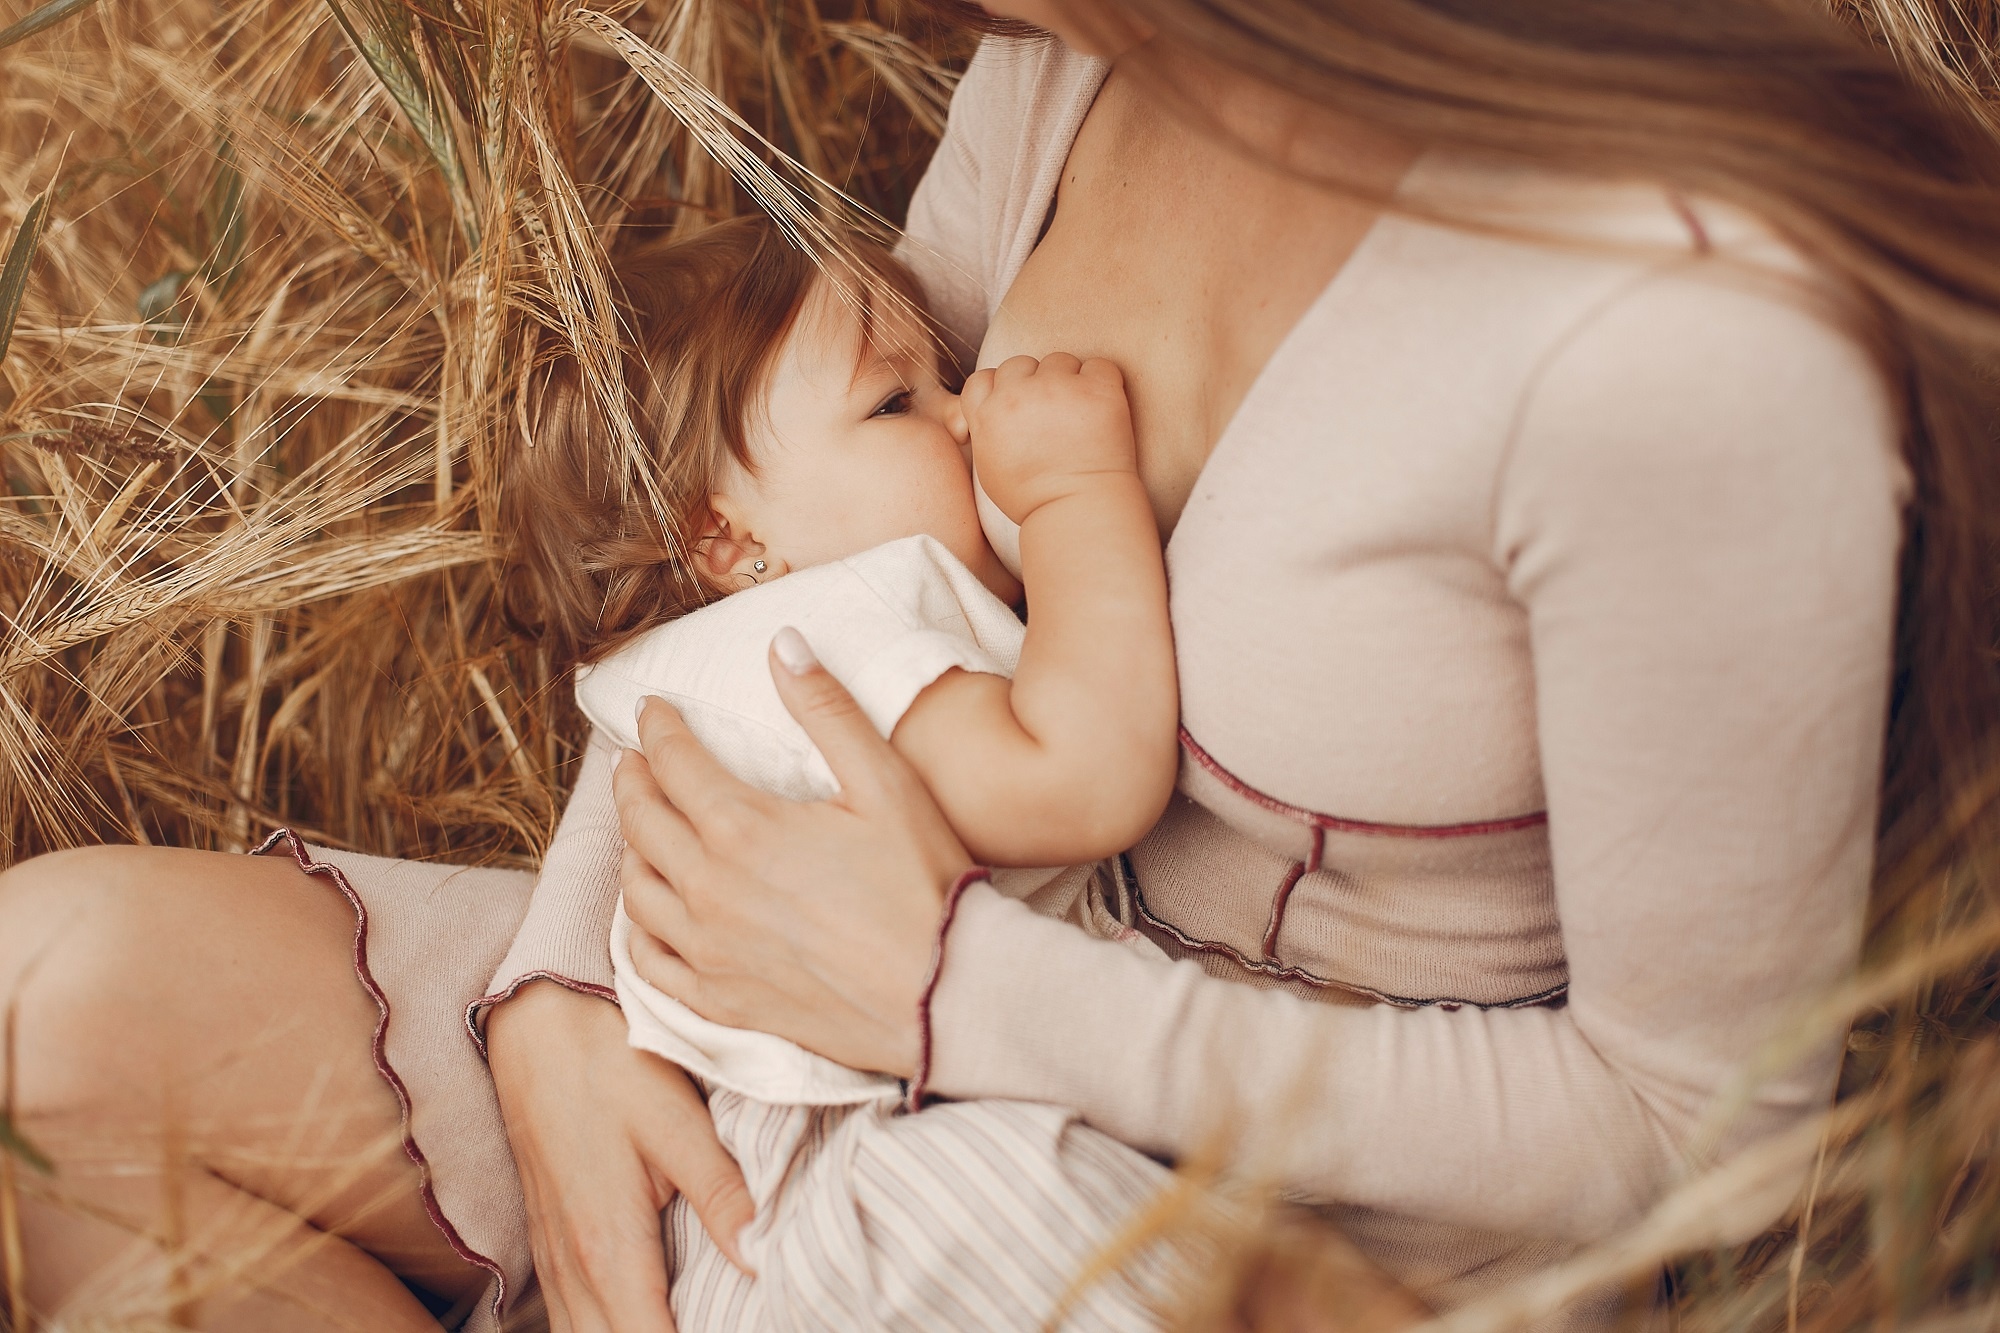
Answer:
(1270, 967)
(1334, 824)
(377, 1049)
(1278, 901)
(1283, 897)
(920, 1077)
(477, 1009)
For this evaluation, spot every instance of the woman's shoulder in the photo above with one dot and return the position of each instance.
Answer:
(1579, 342)
(1576, 236)
(1551, 206)
(1615, 287)
(1688, 296)
(1706, 361)
(1013, 85)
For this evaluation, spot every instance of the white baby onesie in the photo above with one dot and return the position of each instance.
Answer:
(886, 623)
(868, 1217)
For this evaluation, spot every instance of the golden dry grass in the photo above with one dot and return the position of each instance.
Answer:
(287, 261)
(263, 365)
(257, 389)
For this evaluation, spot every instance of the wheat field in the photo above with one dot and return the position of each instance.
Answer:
(275, 275)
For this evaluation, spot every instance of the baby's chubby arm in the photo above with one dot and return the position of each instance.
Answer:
(1074, 758)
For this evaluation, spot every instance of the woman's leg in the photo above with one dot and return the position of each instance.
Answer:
(192, 1050)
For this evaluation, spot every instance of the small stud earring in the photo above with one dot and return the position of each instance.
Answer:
(759, 566)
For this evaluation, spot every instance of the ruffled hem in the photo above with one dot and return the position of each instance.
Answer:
(284, 839)
(475, 1013)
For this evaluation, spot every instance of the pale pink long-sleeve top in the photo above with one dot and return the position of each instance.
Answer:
(1534, 626)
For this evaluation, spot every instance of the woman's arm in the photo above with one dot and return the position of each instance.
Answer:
(1073, 758)
(603, 1135)
(566, 935)
(1701, 515)
(944, 241)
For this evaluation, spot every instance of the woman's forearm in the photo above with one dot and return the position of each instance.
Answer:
(603, 1136)
(1708, 571)
(565, 936)
(1505, 1120)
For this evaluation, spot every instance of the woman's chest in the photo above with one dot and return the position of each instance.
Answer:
(1327, 457)
(1181, 262)
(1347, 640)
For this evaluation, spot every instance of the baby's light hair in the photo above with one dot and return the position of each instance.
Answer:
(704, 318)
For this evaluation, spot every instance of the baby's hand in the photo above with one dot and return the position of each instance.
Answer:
(1040, 430)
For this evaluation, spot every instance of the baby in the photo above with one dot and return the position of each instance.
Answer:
(805, 468)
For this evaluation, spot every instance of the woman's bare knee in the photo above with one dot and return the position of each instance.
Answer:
(146, 978)
(61, 896)
(123, 962)
(172, 1006)
(49, 908)
(37, 894)
(153, 982)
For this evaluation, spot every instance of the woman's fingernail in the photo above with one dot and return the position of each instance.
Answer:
(793, 651)
(639, 709)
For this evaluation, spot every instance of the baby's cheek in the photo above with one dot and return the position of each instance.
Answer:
(907, 495)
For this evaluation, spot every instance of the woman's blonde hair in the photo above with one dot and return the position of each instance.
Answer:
(598, 550)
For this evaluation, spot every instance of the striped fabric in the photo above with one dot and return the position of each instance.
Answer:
(967, 1216)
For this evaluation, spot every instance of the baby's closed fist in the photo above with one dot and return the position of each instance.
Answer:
(1043, 429)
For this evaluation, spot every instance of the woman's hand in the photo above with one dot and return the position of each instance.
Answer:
(604, 1135)
(814, 921)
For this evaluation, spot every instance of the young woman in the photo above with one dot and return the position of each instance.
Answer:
(1534, 395)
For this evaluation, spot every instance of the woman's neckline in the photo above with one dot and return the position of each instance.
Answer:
(1043, 203)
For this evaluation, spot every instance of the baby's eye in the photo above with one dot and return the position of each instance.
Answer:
(895, 405)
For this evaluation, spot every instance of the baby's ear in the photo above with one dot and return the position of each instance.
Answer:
(715, 550)
(725, 554)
